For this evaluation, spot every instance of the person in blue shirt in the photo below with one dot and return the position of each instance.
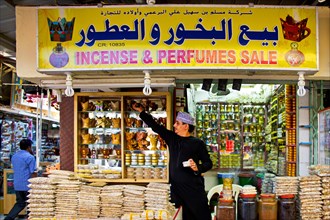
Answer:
(24, 165)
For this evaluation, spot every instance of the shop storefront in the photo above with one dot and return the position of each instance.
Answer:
(252, 135)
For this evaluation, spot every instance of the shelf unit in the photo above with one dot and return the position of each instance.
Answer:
(281, 132)
(112, 144)
(13, 130)
(233, 132)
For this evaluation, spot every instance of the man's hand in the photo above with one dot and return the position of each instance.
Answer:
(34, 174)
(193, 165)
(137, 107)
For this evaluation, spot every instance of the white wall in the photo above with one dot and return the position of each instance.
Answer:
(303, 151)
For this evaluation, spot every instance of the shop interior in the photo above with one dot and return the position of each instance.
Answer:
(248, 129)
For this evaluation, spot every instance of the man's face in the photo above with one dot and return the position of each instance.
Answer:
(29, 149)
(180, 128)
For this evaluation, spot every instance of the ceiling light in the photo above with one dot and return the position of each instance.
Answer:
(207, 84)
(237, 83)
(222, 84)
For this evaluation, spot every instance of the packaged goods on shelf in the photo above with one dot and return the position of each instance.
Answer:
(268, 183)
(113, 143)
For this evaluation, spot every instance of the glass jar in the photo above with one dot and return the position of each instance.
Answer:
(226, 210)
(247, 207)
(207, 117)
(227, 179)
(286, 207)
(215, 108)
(199, 116)
(222, 108)
(222, 117)
(267, 207)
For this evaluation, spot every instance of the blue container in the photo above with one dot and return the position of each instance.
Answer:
(220, 178)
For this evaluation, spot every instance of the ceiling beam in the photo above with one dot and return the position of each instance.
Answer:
(10, 3)
(7, 42)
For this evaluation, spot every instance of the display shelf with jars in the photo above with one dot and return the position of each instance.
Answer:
(271, 146)
(113, 144)
(281, 132)
(230, 135)
(219, 125)
(290, 126)
(281, 140)
(254, 120)
(207, 128)
(236, 136)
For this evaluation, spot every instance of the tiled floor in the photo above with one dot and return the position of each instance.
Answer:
(3, 217)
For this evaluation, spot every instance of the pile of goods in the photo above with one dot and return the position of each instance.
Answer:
(112, 201)
(89, 202)
(286, 185)
(67, 199)
(249, 190)
(323, 171)
(133, 199)
(41, 202)
(268, 183)
(157, 196)
(310, 200)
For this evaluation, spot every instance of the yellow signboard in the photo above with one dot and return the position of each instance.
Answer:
(177, 37)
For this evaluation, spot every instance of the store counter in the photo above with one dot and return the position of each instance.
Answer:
(9, 196)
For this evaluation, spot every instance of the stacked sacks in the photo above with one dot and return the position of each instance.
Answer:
(60, 175)
(326, 197)
(133, 199)
(112, 201)
(323, 171)
(248, 189)
(286, 185)
(89, 202)
(157, 198)
(310, 201)
(67, 199)
(41, 198)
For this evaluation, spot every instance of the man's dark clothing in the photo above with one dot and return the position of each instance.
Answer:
(187, 186)
(21, 198)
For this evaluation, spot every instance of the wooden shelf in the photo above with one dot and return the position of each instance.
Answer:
(120, 102)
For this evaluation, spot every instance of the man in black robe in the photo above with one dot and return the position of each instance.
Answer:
(189, 158)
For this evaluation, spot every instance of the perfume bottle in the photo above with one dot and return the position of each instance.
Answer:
(294, 57)
(59, 58)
